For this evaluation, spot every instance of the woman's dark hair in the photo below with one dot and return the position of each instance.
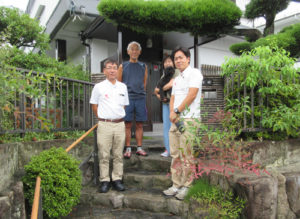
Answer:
(184, 50)
(165, 58)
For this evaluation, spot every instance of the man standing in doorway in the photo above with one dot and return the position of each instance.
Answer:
(134, 74)
(108, 100)
(184, 107)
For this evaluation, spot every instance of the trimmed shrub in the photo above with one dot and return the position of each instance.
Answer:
(61, 181)
(239, 48)
(199, 17)
(288, 39)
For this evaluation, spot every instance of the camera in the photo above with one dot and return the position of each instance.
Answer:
(180, 126)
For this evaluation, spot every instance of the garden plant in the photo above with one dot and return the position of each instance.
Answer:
(60, 181)
(270, 73)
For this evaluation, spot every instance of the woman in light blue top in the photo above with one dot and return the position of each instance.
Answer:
(167, 64)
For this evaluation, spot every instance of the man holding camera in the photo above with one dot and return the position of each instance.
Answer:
(184, 109)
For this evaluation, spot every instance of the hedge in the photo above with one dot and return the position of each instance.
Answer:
(199, 17)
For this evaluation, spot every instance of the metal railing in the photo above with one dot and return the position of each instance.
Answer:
(250, 101)
(64, 106)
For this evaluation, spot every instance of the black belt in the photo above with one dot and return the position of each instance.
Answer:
(111, 120)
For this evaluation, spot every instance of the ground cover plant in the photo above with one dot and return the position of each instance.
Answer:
(41, 136)
(60, 181)
(218, 203)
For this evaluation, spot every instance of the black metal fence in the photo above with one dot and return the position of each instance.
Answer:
(63, 106)
(248, 101)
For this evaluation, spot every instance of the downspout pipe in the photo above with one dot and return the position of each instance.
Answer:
(88, 52)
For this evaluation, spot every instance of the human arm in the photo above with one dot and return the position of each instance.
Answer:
(169, 85)
(120, 73)
(192, 93)
(95, 109)
(173, 116)
(145, 77)
(156, 92)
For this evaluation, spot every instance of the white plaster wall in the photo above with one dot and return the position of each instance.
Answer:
(214, 53)
(100, 51)
(77, 56)
(49, 8)
(112, 49)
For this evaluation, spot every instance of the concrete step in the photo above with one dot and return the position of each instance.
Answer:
(152, 163)
(144, 180)
(146, 200)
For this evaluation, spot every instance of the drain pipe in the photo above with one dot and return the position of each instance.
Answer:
(88, 53)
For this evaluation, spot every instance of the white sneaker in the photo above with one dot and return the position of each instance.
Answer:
(165, 154)
(171, 191)
(182, 193)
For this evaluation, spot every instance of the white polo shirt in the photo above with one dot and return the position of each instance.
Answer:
(189, 78)
(111, 99)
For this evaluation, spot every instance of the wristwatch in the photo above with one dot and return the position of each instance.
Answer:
(176, 111)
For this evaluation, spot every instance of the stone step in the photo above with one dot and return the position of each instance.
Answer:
(151, 163)
(146, 200)
(144, 180)
(100, 212)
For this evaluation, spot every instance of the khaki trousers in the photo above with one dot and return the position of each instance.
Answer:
(181, 150)
(110, 137)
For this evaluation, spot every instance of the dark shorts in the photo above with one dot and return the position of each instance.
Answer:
(137, 107)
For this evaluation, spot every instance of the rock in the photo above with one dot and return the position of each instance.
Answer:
(117, 200)
(148, 202)
(261, 193)
(283, 208)
(5, 207)
(87, 170)
(177, 207)
(18, 207)
(293, 192)
(196, 211)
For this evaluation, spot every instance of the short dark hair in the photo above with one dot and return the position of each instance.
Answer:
(184, 50)
(111, 61)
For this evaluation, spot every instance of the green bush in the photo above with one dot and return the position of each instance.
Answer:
(220, 204)
(239, 48)
(199, 17)
(60, 181)
(281, 40)
(43, 63)
(270, 72)
(288, 39)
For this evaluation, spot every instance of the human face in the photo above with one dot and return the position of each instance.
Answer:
(134, 52)
(181, 61)
(111, 72)
(168, 63)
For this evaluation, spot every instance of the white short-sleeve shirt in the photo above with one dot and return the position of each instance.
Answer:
(189, 78)
(111, 99)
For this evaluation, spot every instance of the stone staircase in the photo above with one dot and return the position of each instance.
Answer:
(144, 178)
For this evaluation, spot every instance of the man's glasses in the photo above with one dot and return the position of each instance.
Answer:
(111, 68)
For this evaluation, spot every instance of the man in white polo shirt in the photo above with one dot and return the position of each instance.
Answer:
(108, 100)
(184, 109)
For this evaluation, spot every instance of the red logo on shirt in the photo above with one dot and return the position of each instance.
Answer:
(106, 96)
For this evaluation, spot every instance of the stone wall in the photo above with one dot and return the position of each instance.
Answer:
(8, 163)
(13, 158)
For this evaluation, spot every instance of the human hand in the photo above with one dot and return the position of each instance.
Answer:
(174, 117)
